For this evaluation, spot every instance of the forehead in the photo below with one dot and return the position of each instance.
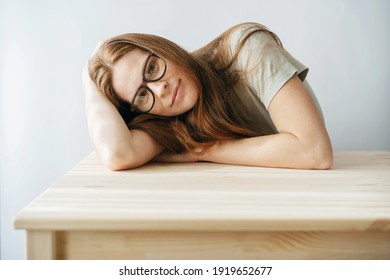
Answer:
(127, 73)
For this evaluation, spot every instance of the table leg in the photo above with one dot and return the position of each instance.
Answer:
(41, 245)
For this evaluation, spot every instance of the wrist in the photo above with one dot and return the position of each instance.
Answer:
(209, 153)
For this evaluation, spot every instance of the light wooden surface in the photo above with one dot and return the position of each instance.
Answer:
(214, 211)
(41, 244)
(219, 245)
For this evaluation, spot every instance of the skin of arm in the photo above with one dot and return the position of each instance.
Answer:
(302, 141)
(118, 147)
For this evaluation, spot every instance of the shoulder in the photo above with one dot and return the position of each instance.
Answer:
(233, 39)
(250, 34)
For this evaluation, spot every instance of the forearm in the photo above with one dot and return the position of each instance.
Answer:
(108, 132)
(117, 146)
(282, 150)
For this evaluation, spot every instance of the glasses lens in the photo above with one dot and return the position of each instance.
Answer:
(154, 68)
(143, 100)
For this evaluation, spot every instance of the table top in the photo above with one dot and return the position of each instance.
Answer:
(353, 196)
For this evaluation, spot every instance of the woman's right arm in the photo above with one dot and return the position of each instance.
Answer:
(118, 147)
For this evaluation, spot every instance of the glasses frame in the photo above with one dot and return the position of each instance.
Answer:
(144, 86)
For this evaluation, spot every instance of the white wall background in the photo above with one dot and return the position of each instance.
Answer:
(44, 45)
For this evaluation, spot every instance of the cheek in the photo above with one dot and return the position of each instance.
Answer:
(195, 93)
(195, 96)
(191, 97)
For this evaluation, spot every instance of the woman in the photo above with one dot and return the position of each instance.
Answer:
(241, 99)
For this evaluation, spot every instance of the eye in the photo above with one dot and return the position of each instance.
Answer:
(152, 68)
(141, 98)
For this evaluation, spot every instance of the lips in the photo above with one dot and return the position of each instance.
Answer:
(175, 93)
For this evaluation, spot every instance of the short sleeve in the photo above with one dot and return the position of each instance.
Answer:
(264, 65)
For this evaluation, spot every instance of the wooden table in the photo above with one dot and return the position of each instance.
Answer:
(214, 211)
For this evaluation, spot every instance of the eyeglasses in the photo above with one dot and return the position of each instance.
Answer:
(144, 98)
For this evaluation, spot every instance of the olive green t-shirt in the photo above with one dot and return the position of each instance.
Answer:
(265, 67)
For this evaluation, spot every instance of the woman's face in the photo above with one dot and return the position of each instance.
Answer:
(175, 93)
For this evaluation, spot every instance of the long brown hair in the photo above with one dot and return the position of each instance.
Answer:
(215, 116)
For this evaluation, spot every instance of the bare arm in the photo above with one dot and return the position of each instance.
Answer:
(302, 141)
(117, 146)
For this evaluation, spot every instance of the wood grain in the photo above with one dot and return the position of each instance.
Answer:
(223, 245)
(41, 245)
(353, 198)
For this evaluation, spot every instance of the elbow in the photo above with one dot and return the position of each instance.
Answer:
(324, 162)
(118, 161)
(321, 158)
(115, 165)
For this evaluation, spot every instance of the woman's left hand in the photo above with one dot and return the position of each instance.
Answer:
(179, 158)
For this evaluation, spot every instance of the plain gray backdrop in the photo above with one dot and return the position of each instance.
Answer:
(44, 45)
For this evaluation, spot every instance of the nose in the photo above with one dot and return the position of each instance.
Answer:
(159, 88)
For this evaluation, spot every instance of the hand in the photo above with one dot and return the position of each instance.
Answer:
(97, 47)
(89, 87)
(178, 158)
(85, 74)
